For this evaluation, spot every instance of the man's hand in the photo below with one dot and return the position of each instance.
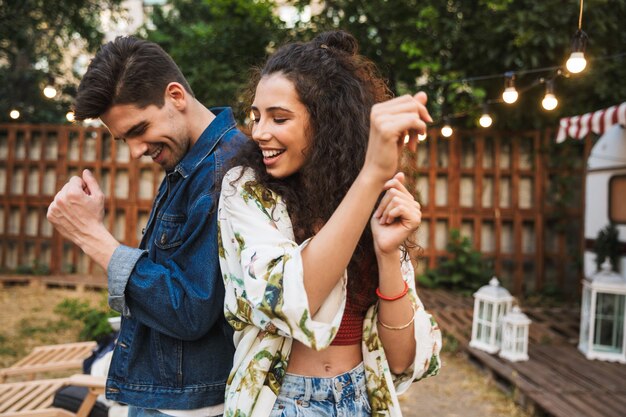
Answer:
(77, 212)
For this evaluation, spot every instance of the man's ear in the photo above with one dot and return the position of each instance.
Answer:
(177, 94)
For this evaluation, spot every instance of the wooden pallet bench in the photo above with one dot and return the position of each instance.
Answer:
(68, 356)
(35, 398)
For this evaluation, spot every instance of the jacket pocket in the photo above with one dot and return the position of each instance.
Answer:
(168, 233)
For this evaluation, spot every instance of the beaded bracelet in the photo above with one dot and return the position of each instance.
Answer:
(404, 326)
(396, 297)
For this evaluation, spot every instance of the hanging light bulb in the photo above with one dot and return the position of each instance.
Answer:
(510, 93)
(49, 91)
(549, 101)
(485, 120)
(577, 62)
(14, 114)
(446, 129)
(70, 116)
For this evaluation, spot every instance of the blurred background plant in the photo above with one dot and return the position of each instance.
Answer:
(93, 319)
(607, 245)
(464, 270)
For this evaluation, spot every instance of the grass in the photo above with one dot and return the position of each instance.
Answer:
(29, 319)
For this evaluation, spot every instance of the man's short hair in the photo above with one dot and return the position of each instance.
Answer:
(127, 70)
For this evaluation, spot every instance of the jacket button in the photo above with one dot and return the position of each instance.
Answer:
(163, 239)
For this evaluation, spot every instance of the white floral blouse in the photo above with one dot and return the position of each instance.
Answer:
(266, 304)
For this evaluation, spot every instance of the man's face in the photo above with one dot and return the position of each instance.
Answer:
(160, 133)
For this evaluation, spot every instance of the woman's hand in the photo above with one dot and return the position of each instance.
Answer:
(390, 122)
(397, 217)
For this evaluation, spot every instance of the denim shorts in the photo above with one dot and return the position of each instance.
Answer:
(343, 396)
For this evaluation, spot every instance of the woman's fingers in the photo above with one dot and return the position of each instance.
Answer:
(392, 199)
(390, 123)
(422, 98)
(395, 183)
(410, 217)
(409, 208)
(395, 126)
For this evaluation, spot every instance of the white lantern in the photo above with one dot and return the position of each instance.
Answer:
(515, 336)
(602, 316)
(491, 303)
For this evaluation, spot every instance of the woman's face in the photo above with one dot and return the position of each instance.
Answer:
(280, 125)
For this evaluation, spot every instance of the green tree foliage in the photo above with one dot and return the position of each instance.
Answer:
(34, 35)
(464, 270)
(216, 42)
(427, 44)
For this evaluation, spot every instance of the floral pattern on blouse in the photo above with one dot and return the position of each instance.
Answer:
(266, 304)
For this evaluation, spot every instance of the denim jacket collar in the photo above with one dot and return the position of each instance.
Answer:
(223, 122)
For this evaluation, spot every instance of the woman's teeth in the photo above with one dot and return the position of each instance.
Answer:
(272, 153)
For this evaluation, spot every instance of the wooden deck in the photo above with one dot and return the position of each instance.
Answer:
(557, 380)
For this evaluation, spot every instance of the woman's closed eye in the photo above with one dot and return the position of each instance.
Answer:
(278, 120)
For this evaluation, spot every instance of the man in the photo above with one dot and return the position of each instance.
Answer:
(174, 351)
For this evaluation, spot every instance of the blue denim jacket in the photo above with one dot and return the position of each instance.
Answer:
(175, 348)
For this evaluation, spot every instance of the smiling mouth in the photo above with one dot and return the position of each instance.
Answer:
(156, 152)
(268, 154)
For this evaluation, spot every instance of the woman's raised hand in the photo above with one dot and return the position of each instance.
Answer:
(390, 122)
(396, 218)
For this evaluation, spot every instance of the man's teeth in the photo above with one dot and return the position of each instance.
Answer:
(272, 153)
(156, 152)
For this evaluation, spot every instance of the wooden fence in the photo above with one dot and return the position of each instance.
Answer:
(519, 205)
(35, 162)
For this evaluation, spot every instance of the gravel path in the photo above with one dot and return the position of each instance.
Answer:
(460, 390)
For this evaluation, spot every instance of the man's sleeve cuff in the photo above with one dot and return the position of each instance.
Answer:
(120, 267)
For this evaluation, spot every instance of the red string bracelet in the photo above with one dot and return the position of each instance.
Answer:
(395, 297)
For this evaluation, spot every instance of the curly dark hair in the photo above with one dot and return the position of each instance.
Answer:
(338, 87)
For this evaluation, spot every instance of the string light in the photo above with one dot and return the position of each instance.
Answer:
(49, 91)
(509, 95)
(549, 101)
(485, 120)
(70, 116)
(14, 114)
(577, 62)
(446, 129)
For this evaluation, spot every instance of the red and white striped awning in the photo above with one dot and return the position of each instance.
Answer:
(578, 127)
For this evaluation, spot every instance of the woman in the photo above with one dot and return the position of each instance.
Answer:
(327, 320)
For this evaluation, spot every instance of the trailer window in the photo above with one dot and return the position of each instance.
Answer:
(617, 199)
